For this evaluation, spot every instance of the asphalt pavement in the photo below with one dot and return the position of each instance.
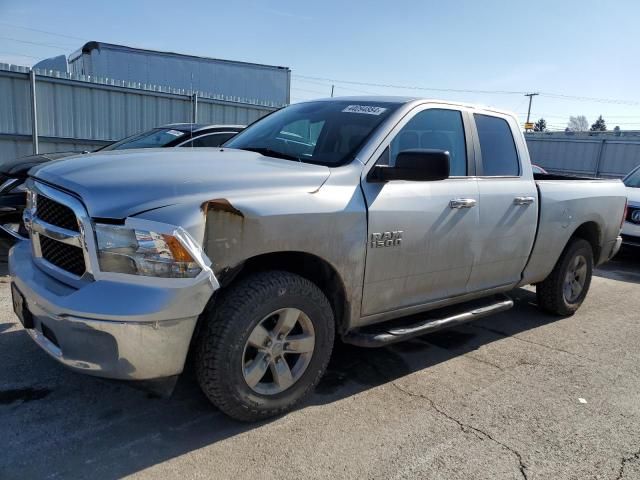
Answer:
(521, 395)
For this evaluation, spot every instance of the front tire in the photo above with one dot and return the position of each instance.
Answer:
(566, 287)
(265, 345)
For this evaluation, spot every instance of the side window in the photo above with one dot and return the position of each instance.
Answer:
(499, 155)
(437, 129)
(213, 140)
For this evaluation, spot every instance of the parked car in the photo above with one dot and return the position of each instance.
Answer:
(371, 219)
(631, 228)
(14, 173)
(538, 169)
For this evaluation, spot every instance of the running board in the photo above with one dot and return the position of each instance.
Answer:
(391, 332)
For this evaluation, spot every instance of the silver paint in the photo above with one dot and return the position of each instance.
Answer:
(236, 205)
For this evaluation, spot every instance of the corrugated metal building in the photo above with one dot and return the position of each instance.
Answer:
(241, 80)
(76, 112)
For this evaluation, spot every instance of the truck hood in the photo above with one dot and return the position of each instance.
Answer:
(119, 184)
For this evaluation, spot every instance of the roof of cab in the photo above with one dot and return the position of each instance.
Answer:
(417, 100)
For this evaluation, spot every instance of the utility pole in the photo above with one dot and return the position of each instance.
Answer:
(34, 111)
(194, 107)
(530, 95)
(332, 91)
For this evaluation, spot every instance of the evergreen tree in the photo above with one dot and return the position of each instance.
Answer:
(540, 126)
(599, 125)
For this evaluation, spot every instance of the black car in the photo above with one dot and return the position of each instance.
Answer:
(13, 173)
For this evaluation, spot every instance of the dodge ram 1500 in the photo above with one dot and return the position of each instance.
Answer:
(372, 220)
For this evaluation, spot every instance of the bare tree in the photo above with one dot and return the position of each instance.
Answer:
(578, 124)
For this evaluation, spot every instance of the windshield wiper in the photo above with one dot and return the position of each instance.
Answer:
(270, 153)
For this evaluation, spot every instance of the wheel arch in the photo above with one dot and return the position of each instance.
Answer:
(307, 265)
(591, 232)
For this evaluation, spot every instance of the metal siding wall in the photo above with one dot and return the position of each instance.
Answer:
(580, 156)
(10, 149)
(619, 158)
(15, 107)
(85, 111)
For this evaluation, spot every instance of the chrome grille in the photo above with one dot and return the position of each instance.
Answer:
(66, 257)
(56, 214)
(57, 237)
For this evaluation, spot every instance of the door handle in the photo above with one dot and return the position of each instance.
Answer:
(462, 203)
(523, 200)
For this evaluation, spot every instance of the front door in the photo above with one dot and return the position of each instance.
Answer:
(421, 233)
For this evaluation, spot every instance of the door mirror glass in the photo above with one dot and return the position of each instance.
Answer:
(415, 165)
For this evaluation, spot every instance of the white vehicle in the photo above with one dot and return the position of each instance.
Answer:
(631, 227)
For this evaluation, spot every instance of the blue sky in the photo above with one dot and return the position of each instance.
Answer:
(575, 48)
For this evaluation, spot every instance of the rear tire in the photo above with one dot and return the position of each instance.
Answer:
(566, 287)
(242, 335)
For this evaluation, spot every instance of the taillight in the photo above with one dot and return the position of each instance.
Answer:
(624, 214)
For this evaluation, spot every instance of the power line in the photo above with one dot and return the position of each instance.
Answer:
(350, 89)
(563, 116)
(307, 90)
(409, 87)
(43, 31)
(19, 55)
(591, 99)
(461, 90)
(50, 45)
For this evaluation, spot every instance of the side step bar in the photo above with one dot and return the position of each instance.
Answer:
(386, 334)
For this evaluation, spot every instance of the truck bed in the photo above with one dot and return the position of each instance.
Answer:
(566, 203)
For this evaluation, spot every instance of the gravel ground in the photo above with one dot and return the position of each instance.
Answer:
(521, 395)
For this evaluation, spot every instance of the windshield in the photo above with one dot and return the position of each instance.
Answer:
(156, 138)
(633, 180)
(325, 132)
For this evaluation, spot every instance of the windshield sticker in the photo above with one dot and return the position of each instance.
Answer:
(175, 133)
(368, 109)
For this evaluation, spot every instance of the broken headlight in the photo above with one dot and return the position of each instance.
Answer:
(142, 252)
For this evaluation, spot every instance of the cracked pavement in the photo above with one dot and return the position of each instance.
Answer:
(496, 399)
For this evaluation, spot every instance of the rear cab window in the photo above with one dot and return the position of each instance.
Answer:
(497, 147)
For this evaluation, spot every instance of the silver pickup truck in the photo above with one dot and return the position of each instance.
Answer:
(372, 220)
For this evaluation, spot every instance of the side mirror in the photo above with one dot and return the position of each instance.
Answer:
(417, 165)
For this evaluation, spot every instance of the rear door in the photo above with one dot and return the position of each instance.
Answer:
(508, 205)
(420, 243)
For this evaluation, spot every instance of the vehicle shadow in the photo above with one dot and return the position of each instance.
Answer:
(5, 245)
(625, 266)
(68, 425)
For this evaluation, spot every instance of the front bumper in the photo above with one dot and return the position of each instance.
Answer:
(107, 328)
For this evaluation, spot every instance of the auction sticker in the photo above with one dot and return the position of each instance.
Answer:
(368, 109)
